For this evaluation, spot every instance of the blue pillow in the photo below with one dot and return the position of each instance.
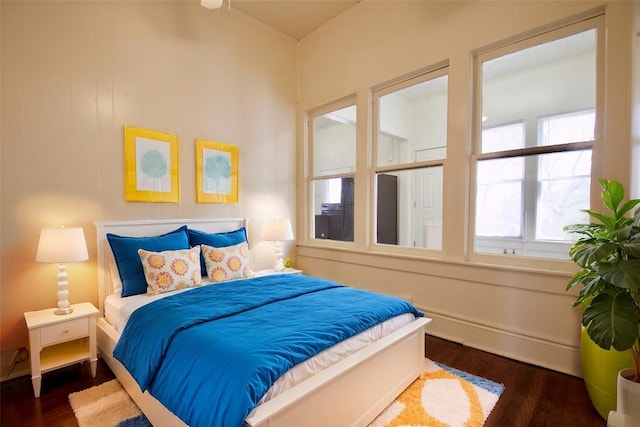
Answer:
(217, 240)
(125, 252)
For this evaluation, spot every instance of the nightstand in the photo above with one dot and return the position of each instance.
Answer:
(273, 271)
(61, 340)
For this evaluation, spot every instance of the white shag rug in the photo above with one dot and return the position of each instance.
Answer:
(105, 405)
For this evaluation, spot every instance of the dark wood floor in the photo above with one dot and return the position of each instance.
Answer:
(533, 396)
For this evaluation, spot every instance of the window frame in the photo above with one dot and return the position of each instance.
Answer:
(427, 74)
(479, 57)
(312, 176)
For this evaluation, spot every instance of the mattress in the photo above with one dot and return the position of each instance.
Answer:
(118, 310)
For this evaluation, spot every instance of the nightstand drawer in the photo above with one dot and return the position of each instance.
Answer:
(65, 331)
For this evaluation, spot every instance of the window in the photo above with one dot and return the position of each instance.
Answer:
(533, 156)
(333, 138)
(500, 183)
(410, 143)
(564, 179)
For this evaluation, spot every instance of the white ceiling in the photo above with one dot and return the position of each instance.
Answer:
(296, 18)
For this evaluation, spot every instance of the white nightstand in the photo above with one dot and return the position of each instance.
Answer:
(60, 340)
(273, 271)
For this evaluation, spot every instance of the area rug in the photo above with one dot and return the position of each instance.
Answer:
(106, 405)
(441, 397)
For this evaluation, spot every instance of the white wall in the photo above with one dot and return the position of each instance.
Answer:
(521, 313)
(74, 73)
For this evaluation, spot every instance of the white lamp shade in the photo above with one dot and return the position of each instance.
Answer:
(211, 4)
(277, 229)
(62, 244)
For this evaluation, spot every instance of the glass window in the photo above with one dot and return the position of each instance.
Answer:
(413, 123)
(533, 162)
(499, 209)
(334, 142)
(333, 138)
(411, 149)
(566, 128)
(333, 209)
(564, 182)
(503, 138)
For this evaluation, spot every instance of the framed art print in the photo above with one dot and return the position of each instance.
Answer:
(216, 172)
(151, 166)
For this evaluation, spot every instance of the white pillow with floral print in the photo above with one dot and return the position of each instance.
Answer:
(227, 263)
(171, 270)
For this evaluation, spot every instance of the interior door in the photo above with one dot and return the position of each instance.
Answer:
(428, 208)
(387, 210)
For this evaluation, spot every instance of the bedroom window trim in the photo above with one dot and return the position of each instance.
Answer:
(313, 176)
(591, 23)
(423, 75)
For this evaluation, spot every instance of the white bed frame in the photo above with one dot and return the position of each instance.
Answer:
(350, 393)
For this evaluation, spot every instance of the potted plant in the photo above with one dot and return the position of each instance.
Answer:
(608, 254)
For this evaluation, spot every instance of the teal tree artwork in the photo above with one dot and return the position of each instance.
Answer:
(153, 165)
(216, 172)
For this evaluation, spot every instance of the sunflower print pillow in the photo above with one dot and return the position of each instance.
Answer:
(227, 263)
(171, 270)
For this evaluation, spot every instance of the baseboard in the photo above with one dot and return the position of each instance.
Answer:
(21, 369)
(536, 351)
(539, 352)
(14, 364)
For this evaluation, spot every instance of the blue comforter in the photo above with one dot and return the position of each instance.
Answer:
(210, 354)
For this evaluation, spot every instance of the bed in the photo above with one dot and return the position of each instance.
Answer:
(348, 391)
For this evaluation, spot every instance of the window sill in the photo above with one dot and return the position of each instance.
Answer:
(485, 269)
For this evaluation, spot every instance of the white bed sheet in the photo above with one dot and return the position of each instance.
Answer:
(118, 310)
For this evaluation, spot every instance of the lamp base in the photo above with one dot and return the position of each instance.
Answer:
(63, 291)
(279, 262)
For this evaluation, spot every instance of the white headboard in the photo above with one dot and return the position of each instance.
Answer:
(140, 228)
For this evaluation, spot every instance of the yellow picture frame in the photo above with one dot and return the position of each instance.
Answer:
(151, 166)
(216, 172)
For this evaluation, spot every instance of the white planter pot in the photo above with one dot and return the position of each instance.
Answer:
(628, 402)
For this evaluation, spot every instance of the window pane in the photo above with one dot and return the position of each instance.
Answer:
(499, 190)
(564, 165)
(499, 198)
(566, 128)
(409, 208)
(413, 123)
(334, 142)
(547, 79)
(502, 138)
(564, 188)
(333, 209)
(500, 170)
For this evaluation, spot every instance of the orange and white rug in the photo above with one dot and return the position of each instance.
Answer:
(441, 397)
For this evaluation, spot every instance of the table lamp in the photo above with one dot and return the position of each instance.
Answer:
(211, 4)
(278, 230)
(62, 245)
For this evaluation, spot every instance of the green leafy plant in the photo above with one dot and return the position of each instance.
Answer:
(608, 255)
